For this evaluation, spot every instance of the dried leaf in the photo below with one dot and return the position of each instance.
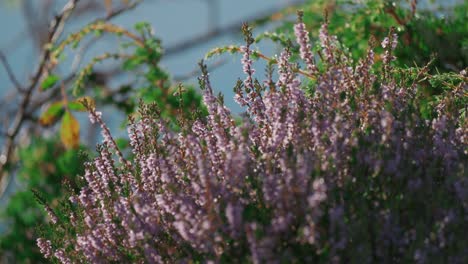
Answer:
(70, 131)
(51, 114)
(79, 104)
(86, 101)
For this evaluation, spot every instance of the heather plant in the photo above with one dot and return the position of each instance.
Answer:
(341, 161)
(426, 32)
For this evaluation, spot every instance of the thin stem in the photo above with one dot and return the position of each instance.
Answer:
(10, 73)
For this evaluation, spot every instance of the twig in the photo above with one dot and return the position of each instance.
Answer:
(258, 54)
(120, 10)
(80, 54)
(10, 73)
(196, 72)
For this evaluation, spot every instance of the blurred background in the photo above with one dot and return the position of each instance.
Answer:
(33, 154)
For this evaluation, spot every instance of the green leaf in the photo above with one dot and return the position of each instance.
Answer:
(50, 81)
(51, 114)
(70, 131)
(76, 106)
(141, 27)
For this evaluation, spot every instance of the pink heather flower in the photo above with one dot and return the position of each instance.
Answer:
(93, 115)
(45, 246)
(327, 43)
(302, 38)
(320, 193)
(60, 255)
(390, 43)
(387, 58)
(247, 66)
(284, 68)
(52, 216)
(385, 42)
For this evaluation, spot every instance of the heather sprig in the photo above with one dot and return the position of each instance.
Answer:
(351, 172)
(302, 37)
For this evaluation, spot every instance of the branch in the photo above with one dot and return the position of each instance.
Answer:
(196, 72)
(10, 73)
(120, 10)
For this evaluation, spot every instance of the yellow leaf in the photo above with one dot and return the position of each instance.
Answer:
(70, 131)
(51, 114)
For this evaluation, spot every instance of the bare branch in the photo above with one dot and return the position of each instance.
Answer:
(196, 72)
(10, 73)
(229, 29)
(120, 10)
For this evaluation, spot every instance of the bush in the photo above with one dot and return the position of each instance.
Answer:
(337, 162)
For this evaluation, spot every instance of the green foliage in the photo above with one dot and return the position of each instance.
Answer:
(425, 34)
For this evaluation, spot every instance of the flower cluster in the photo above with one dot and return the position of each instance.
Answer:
(302, 38)
(350, 172)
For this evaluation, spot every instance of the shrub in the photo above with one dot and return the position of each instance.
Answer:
(337, 162)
